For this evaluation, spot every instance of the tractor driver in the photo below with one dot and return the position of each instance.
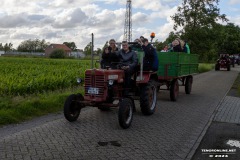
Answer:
(129, 61)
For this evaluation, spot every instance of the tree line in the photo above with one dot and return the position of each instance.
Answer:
(199, 23)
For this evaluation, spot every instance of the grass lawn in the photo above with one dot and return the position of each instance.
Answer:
(236, 84)
(17, 109)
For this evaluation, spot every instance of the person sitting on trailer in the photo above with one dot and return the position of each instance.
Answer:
(109, 56)
(150, 60)
(178, 45)
(186, 47)
(170, 47)
(165, 49)
(128, 63)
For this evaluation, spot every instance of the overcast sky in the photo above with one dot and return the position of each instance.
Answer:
(59, 21)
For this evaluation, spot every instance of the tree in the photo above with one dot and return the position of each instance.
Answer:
(105, 45)
(99, 51)
(197, 13)
(198, 20)
(57, 53)
(71, 45)
(229, 41)
(158, 45)
(7, 47)
(171, 37)
(33, 45)
(1, 47)
(88, 49)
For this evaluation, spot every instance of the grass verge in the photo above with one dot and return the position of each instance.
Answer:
(19, 109)
(205, 67)
(236, 84)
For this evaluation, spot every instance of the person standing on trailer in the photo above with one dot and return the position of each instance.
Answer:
(150, 60)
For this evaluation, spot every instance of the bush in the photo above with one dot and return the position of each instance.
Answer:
(57, 53)
(205, 67)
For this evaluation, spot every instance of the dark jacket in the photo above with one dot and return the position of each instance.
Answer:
(177, 48)
(150, 60)
(111, 59)
(128, 59)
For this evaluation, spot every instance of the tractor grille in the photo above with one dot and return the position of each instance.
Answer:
(94, 81)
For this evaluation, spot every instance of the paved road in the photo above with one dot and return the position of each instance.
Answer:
(173, 132)
(223, 133)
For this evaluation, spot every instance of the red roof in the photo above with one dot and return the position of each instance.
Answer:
(59, 46)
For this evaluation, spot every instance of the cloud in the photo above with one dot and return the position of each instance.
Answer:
(70, 18)
(58, 21)
(235, 20)
(233, 2)
(12, 21)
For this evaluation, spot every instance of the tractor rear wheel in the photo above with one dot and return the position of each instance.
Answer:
(188, 84)
(125, 113)
(174, 90)
(72, 108)
(148, 98)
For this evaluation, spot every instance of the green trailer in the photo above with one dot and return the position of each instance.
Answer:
(176, 69)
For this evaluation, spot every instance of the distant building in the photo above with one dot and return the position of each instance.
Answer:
(78, 53)
(53, 47)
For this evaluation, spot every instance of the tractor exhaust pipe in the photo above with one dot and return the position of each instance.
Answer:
(92, 49)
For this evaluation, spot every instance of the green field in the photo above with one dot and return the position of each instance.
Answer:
(24, 76)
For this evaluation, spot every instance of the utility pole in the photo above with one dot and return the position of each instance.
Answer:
(128, 22)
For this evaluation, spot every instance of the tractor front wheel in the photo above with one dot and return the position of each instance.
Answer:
(125, 112)
(72, 108)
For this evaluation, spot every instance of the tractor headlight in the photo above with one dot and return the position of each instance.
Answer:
(110, 82)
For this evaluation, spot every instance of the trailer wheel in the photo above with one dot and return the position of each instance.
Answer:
(72, 108)
(228, 67)
(188, 84)
(217, 67)
(174, 89)
(125, 113)
(148, 98)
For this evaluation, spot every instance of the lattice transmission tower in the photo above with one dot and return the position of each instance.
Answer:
(128, 22)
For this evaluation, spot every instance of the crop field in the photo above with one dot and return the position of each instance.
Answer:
(24, 76)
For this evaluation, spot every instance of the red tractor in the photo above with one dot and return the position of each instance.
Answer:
(104, 89)
(223, 62)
